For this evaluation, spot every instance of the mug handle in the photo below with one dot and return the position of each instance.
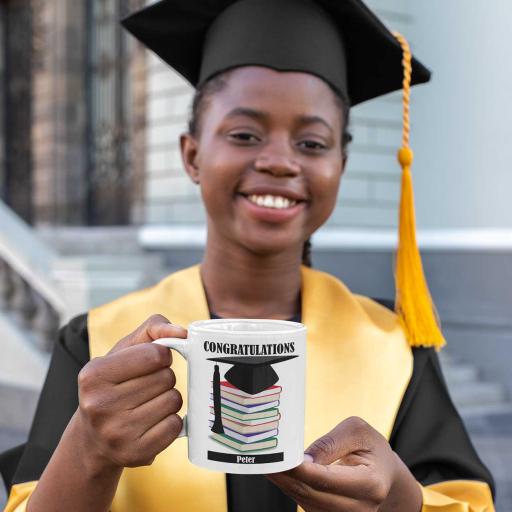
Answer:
(181, 346)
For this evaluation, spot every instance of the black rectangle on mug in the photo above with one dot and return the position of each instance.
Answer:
(247, 458)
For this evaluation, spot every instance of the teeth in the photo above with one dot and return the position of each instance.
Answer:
(269, 201)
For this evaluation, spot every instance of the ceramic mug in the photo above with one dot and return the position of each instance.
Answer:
(246, 384)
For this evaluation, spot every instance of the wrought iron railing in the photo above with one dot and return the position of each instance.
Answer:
(28, 294)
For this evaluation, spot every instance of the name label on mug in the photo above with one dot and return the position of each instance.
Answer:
(245, 459)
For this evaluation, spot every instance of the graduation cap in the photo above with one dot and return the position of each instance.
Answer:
(340, 41)
(251, 374)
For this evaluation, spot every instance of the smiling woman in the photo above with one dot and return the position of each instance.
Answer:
(267, 147)
(273, 137)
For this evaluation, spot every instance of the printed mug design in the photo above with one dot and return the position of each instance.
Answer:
(243, 417)
(244, 408)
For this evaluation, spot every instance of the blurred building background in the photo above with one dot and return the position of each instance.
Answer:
(95, 203)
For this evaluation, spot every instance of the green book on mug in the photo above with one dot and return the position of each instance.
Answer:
(265, 444)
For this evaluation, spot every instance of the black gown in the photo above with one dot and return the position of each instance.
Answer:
(428, 433)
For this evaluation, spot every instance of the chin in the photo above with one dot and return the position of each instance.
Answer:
(273, 246)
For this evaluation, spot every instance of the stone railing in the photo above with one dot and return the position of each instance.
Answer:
(28, 295)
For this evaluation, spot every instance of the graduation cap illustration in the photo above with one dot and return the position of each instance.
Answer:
(251, 374)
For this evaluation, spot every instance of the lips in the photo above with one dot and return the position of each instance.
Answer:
(270, 215)
(272, 201)
(264, 190)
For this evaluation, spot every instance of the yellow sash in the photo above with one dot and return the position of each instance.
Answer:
(358, 364)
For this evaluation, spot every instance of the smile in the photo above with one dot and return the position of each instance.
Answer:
(269, 208)
(270, 201)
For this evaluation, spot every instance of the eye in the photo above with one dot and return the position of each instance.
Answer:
(243, 137)
(312, 145)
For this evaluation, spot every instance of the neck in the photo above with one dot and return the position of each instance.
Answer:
(241, 284)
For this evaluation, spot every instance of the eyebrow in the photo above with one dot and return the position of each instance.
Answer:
(259, 115)
(315, 119)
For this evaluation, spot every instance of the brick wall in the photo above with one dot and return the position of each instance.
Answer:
(78, 175)
(58, 122)
(370, 187)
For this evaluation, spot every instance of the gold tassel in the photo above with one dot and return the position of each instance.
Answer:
(413, 303)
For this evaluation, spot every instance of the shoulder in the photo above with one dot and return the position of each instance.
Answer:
(316, 280)
(73, 339)
(336, 295)
(378, 308)
(140, 298)
(179, 297)
(75, 327)
(135, 298)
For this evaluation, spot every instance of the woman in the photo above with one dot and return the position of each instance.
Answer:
(266, 145)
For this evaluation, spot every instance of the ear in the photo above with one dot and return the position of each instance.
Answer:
(343, 163)
(189, 149)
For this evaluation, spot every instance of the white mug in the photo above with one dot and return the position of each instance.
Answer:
(246, 383)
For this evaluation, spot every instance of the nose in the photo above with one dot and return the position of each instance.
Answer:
(277, 158)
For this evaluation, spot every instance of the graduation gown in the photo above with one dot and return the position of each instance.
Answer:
(358, 364)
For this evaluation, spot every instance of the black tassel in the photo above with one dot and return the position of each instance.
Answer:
(217, 423)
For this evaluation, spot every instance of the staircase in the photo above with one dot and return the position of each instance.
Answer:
(472, 394)
(47, 276)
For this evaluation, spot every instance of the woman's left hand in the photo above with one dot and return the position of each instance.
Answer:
(351, 469)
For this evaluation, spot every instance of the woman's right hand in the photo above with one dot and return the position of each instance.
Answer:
(127, 399)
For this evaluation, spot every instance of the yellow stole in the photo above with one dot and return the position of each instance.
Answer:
(358, 364)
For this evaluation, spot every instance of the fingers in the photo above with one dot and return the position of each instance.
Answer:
(354, 481)
(128, 451)
(155, 327)
(151, 413)
(315, 483)
(129, 363)
(358, 476)
(352, 436)
(308, 497)
(118, 430)
(135, 355)
(161, 435)
(127, 399)
(140, 390)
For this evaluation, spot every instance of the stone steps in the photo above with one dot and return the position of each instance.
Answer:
(471, 393)
(460, 374)
(478, 393)
(18, 404)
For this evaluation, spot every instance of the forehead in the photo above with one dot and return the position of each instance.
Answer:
(276, 91)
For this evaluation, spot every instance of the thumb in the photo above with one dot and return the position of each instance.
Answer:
(351, 435)
(153, 328)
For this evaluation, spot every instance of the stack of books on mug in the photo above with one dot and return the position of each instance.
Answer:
(250, 421)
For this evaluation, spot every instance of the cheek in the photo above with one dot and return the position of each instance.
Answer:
(219, 182)
(213, 192)
(325, 185)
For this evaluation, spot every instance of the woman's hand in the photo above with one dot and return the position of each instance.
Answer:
(352, 468)
(127, 415)
(128, 403)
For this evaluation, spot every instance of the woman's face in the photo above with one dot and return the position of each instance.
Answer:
(268, 158)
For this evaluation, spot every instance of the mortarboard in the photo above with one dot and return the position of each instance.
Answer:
(250, 374)
(342, 42)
